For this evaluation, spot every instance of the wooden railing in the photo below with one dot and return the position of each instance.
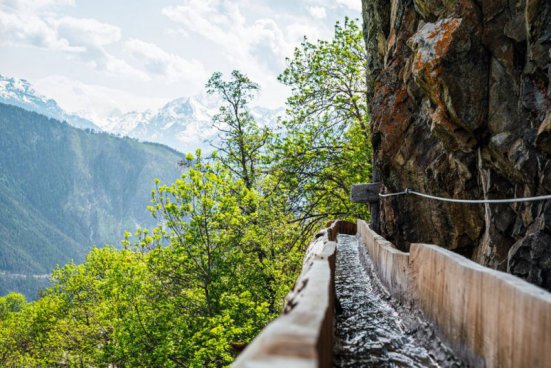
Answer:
(490, 318)
(303, 335)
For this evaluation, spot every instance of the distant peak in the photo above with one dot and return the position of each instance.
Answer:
(19, 92)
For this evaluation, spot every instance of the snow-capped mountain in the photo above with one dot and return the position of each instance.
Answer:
(184, 124)
(19, 92)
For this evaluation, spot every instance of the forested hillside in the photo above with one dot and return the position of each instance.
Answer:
(63, 189)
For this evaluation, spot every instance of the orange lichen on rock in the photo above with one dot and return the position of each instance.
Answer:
(431, 45)
(476, 123)
(394, 125)
(433, 41)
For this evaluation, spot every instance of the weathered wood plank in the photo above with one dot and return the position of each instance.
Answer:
(391, 264)
(374, 206)
(365, 193)
(492, 319)
(302, 337)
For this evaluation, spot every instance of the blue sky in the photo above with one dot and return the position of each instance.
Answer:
(94, 56)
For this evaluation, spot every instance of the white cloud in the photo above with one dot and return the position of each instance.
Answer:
(351, 4)
(256, 43)
(93, 101)
(30, 23)
(240, 33)
(157, 61)
(87, 31)
(299, 30)
(205, 18)
(92, 38)
(317, 12)
(30, 5)
(204, 36)
(223, 23)
(27, 29)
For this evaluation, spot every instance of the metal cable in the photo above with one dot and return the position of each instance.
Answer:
(472, 201)
(392, 194)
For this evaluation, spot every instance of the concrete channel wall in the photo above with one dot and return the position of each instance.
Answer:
(492, 319)
(302, 337)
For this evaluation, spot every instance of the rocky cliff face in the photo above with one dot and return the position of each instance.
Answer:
(461, 107)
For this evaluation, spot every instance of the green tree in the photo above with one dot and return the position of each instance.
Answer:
(178, 295)
(326, 147)
(11, 303)
(209, 272)
(241, 139)
(228, 244)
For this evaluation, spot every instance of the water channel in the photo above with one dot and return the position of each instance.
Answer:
(369, 330)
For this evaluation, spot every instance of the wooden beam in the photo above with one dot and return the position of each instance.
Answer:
(365, 193)
(374, 206)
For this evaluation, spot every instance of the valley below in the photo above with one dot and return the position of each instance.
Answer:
(63, 190)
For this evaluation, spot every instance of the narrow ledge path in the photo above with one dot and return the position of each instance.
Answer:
(369, 331)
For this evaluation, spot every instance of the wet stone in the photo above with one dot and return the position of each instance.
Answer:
(369, 332)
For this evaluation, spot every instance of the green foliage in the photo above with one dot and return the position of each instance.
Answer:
(242, 139)
(229, 236)
(327, 147)
(11, 303)
(63, 189)
(178, 295)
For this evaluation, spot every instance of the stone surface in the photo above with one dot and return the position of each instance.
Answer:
(461, 107)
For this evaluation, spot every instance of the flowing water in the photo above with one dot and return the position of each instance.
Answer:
(369, 332)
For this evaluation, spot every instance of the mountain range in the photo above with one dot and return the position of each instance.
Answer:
(19, 92)
(64, 189)
(184, 124)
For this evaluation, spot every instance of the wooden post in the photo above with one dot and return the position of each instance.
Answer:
(365, 193)
(374, 206)
(368, 193)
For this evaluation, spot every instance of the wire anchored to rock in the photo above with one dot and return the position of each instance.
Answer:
(470, 201)
(369, 193)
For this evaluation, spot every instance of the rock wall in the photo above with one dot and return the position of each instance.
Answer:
(461, 107)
